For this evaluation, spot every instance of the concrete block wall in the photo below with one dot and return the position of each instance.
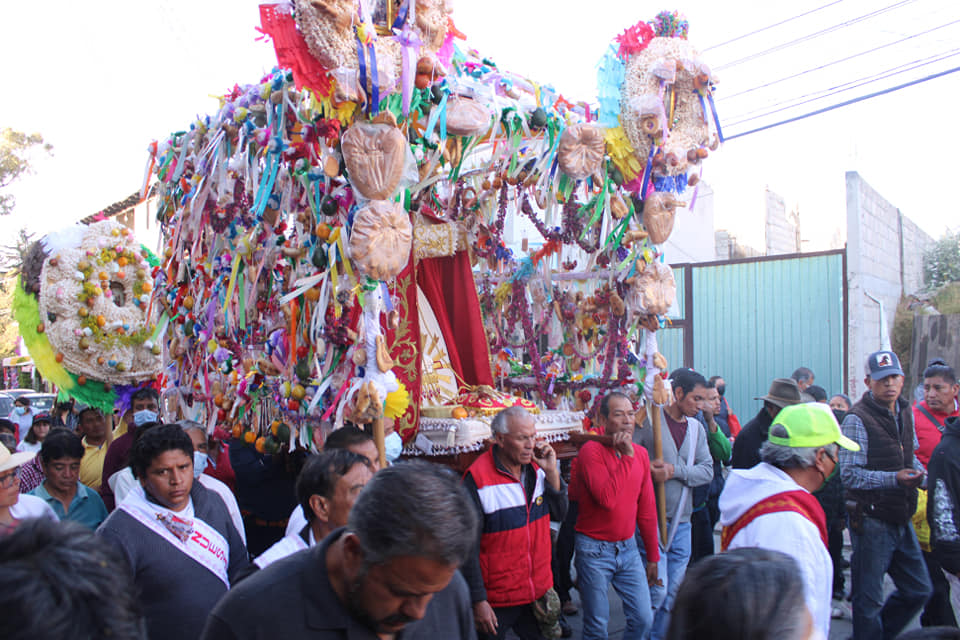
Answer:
(782, 232)
(884, 261)
(916, 242)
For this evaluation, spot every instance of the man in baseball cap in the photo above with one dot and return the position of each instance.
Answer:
(784, 392)
(771, 505)
(881, 481)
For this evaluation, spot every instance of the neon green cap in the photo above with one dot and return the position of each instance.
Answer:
(810, 424)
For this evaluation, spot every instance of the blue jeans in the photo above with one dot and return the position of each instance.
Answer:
(881, 548)
(670, 571)
(598, 564)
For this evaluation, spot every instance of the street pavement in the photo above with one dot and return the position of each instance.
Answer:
(840, 628)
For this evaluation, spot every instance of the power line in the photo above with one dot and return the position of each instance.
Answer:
(845, 103)
(816, 34)
(830, 64)
(846, 86)
(777, 24)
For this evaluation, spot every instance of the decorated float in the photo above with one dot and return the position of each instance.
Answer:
(333, 236)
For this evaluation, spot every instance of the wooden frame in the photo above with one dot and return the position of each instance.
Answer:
(384, 13)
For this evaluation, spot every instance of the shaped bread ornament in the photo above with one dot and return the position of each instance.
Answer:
(367, 404)
(108, 277)
(375, 154)
(380, 239)
(654, 290)
(658, 214)
(329, 29)
(662, 100)
(467, 117)
(581, 149)
(82, 309)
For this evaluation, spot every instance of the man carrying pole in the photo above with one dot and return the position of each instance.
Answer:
(611, 482)
(685, 463)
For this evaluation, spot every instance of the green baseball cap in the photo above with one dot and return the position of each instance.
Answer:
(810, 424)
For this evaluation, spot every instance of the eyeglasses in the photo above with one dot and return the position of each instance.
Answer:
(832, 459)
(9, 479)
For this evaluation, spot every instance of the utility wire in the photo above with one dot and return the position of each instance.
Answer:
(816, 34)
(846, 86)
(830, 64)
(777, 24)
(844, 104)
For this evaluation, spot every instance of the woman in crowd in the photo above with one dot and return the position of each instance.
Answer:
(37, 432)
(15, 506)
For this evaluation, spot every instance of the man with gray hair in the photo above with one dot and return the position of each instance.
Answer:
(393, 568)
(771, 505)
(517, 490)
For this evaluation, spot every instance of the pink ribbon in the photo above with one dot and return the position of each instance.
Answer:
(410, 43)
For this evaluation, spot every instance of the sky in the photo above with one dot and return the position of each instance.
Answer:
(100, 80)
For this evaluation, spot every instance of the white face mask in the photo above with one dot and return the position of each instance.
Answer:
(144, 416)
(392, 447)
(199, 463)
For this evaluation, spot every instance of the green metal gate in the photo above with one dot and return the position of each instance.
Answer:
(756, 319)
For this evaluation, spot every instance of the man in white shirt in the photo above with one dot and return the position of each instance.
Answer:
(327, 487)
(771, 505)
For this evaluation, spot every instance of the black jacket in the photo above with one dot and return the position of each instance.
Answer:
(293, 598)
(746, 448)
(943, 500)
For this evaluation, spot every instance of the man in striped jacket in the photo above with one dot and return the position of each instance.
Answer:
(517, 489)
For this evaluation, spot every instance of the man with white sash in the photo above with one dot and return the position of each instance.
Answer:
(327, 487)
(686, 464)
(177, 537)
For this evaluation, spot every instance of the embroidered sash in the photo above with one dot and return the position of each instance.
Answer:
(196, 539)
(797, 501)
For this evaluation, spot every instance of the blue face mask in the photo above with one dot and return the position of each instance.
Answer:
(21, 410)
(144, 416)
(199, 463)
(392, 447)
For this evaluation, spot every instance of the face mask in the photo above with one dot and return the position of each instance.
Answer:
(836, 470)
(200, 460)
(392, 446)
(721, 389)
(144, 416)
(21, 410)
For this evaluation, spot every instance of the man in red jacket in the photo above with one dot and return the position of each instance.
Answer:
(517, 490)
(613, 488)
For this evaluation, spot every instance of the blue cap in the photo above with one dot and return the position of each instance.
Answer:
(881, 364)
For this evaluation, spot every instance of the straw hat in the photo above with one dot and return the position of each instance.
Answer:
(11, 460)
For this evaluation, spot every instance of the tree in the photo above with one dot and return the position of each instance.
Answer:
(941, 264)
(12, 256)
(15, 148)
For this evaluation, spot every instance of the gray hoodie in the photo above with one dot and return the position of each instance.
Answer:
(700, 473)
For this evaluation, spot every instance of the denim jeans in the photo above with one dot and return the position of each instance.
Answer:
(670, 570)
(598, 564)
(880, 548)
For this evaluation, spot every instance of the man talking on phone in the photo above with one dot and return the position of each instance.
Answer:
(881, 481)
(517, 489)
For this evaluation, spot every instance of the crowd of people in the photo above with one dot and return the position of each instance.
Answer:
(130, 527)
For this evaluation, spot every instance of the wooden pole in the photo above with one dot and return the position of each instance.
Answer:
(660, 488)
(378, 438)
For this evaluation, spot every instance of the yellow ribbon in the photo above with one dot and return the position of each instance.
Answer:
(230, 285)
